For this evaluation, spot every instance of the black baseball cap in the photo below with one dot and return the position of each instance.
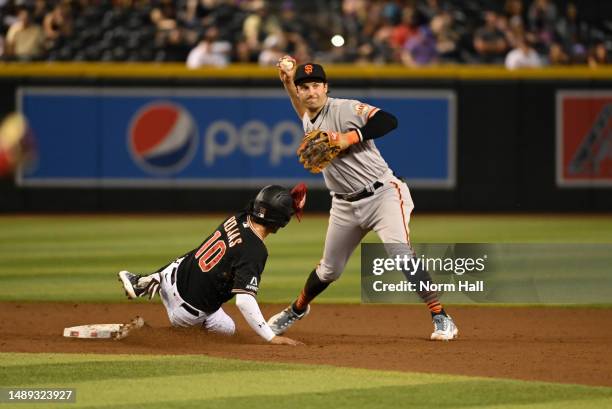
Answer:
(309, 72)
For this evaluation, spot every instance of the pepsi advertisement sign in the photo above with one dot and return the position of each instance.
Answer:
(133, 137)
(163, 137)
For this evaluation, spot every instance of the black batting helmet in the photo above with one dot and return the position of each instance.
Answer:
(273, 206)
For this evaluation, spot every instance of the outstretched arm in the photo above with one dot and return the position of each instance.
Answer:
(247, 304)
(286, 77)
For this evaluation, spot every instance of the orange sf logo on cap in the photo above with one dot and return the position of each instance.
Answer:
(308, 69)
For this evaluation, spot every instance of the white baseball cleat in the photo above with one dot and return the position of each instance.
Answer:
(130, 284)
(282, 321)
(136, 285)
(444, 328)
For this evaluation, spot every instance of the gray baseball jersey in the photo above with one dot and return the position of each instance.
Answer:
(359, 165)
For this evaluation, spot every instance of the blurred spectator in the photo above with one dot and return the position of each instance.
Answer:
(189, 19)
(374, 31)
(301, 52)
(24, 40)
(573, 33)
(405, 29)
(296, 46)
(350, 25)
(578, 54)
(295, 30)
(557, 55)
(188, 16)
(226, 16)
(273, 49)
(164, 15)
(515, 14)
(173, 46)
(370, 25)
(420, 49)
(8, 15)
(489, 41)
(598, 55)
(58, 23)
(391, 12)
(259, 25)
(374, 41)
(570, 29)
(503, 26)
(194, 14)
(297, 33)
(542, 19)
(430, 8)
(542, 14)
(523, 56)
(38, 11)
(242, 53)
(291, 22)
(446, 37)
(210, 51)
(381, 41)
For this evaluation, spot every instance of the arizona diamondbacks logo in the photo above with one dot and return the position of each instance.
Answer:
(596, 145)
(253, 286)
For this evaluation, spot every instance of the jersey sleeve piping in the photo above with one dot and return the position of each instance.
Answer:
(242, 291)
(372, 112)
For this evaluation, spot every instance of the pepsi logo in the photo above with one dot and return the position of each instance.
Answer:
(162, 137)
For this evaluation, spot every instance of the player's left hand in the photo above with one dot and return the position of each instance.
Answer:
(278, 340)
(319, 148)
(343, 140)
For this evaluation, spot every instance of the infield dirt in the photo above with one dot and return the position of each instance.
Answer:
(569, 345)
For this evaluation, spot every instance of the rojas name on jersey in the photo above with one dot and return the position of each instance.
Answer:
(232, 231)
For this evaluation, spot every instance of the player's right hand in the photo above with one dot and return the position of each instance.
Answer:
(286, 76)
(278, 340)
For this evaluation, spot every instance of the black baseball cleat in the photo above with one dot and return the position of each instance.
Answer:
(130, 284)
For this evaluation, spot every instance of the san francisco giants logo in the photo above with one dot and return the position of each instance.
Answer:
(308, 69)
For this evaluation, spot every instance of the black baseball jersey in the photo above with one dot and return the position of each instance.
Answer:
(230, 261)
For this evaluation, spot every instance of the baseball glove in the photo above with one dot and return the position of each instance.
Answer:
(318, 149)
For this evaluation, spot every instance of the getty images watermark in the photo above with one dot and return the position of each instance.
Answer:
(528, 273)
(414, 267)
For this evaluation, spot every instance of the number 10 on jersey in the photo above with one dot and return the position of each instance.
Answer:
(211, 252)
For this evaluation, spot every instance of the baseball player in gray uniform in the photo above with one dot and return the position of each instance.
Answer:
(365, 193)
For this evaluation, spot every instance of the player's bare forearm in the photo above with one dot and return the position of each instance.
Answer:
(287, 75)
(295, 101)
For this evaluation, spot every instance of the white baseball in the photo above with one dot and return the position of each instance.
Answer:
(286, 65)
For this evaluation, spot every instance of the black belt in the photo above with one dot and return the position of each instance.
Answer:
(190, 309)
(362, 194)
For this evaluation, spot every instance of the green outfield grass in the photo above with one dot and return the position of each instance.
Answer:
(76, 258)
(190, 381)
